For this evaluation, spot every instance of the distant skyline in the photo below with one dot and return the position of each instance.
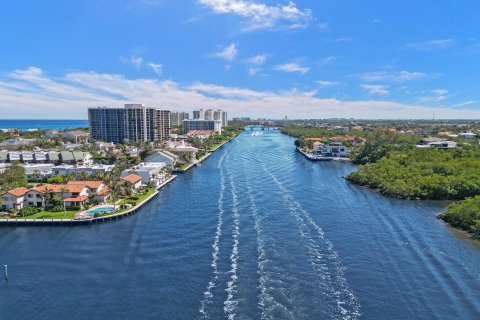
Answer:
(268, 59)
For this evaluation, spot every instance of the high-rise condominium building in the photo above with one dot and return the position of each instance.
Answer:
(135, 122)
(199, 114)
(200, 124)
(210, 115)
(176, 118)
(107, 124)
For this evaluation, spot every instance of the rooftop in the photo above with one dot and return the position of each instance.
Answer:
(132, 178)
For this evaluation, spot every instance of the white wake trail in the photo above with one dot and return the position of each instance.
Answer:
(230, 304)
(266, 300)
(347, 304)
(208, 295)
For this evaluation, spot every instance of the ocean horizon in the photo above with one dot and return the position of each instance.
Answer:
(44, 124)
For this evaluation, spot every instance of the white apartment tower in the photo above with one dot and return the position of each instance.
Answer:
(211, 115)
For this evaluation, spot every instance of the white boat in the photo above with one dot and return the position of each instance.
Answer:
(257, 133)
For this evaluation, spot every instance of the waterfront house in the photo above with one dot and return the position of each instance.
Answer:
(134, 180)
(71, 195)
(163, 156)
(97, 191)
(186, 153)
(14, 199)
(152, 173)
(334, 149)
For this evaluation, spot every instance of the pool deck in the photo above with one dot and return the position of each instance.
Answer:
(74, 222)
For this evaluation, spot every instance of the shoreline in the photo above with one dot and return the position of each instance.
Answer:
(309, 157)
(111, 217)
(74, 222)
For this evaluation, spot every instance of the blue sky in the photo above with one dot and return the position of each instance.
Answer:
(260, 58)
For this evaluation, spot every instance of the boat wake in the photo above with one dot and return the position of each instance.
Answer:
(324, 260)
(230, 304)
(267, 302)
(208, 295)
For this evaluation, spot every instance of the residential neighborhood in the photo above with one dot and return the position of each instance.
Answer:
(80, 174)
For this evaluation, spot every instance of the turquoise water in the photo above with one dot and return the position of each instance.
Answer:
(256, 232)
(100, 210)
(43, 124)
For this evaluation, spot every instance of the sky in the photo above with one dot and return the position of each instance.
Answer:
(365, 59)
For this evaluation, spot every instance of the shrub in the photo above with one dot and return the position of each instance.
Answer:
(28, 211)
(73, 208)
(57, 209)
(134, 198)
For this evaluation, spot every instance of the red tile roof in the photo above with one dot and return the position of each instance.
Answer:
(200, 132)
(90, 184)
(56, 188)
(104, 191)
(18, 192)
(132, 178)
(76, 199)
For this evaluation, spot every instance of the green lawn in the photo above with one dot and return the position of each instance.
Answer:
(52, 215)
(216, 146)
(184, 167)
(142, 197)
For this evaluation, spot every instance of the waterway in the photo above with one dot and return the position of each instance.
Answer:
(256, 232)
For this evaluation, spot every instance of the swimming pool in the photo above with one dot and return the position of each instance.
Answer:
(100, 210)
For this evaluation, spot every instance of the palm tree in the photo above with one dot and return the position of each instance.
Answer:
(83, 176)
(45, 193)
(63, 190)
(70, 177)
(115, 190)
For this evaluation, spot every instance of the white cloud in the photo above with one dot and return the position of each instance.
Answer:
(292, 67)
(31, 93)
(375, 89)
(328, 83)
(432, 99)
(258, 59)
(464, 104)
(260, 15)
(429, 45)
(440, 91)
(228, 53)
(156, 67)
(328, 60)
(400, 76)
